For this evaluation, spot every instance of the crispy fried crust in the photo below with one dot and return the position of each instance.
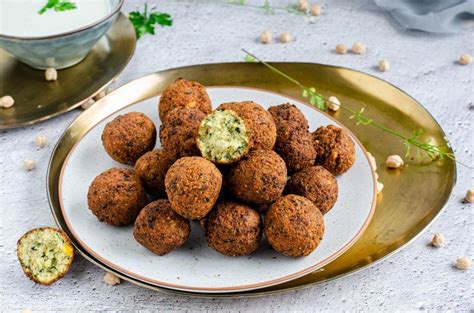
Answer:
(294, 142)
(335, 149)
(160, 229)
(294, 226)
(184, 94)
(233, 229)
(261, 125)
(152, 167)
(179, 131)
(116, 196)
(193, 185)
(259, 178)
(316, 184)
(24, 266)
(127, 137)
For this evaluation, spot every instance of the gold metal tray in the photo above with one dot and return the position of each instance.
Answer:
(410, 201)
(38, 100)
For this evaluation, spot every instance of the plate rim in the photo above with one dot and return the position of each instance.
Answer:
(239, 288)
(51, 181)
(73, 106)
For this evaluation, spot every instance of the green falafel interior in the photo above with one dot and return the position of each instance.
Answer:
(45, 254)
(223, 137)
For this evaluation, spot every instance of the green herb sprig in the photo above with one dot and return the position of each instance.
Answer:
(145, 22)
(317, 100)
(58, 6)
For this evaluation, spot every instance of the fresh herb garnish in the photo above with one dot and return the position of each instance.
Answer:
(58, 6)
(320, 102)
(144, 22)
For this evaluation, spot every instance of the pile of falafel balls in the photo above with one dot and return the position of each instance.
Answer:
(240, 170)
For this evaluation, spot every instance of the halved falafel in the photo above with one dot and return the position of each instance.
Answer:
(259, 178)
(261, 125)
(233, 229)
(127, 137)
(193, 185)
(335, 149)
(160, 229)
(224, 137)
(316, 184)
(45, 254)
(152, 167)
(116, 196)
(184, 93)
(294, 226)
(179, 131)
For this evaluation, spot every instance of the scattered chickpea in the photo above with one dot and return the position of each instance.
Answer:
(87, 104)
(266, 37)
(6, 102)
(469, 195)
(29, 165)
(111, 280)
(465, 59)
(372, 161)
(100, 95)
(285, 37)
(463, 263)
(379, 187)
(334, 104)
(302, 5)
(315, 10)
(358, 48)
(41, 141)
(384, 65)
(438, 240)
(394, 161)
(341, 48)
(51, 74)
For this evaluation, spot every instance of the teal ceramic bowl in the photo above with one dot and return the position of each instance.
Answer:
(60, 50)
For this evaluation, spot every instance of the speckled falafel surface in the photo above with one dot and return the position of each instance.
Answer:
(116, 196)
(193, 185)
(160, 229)
(127, 137)
(233, 229)
(184, 94)
(224, 137)
(294, 226)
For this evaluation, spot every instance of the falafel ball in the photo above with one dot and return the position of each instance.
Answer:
(116, 196)
(224, 137)
(294, 226)
(179, 131)
(335, 149)
(160, 229)
(127, 137)
(184, 93)
(193, 185)
(261, 124)
(259, 178)
(294, 141)
(233, 229)
(152, 167)
(316, 184)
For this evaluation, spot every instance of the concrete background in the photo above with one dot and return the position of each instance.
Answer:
(424, 65)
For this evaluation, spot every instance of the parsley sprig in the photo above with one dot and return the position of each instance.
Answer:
(317, 100)
(58, 6)
(144, 22)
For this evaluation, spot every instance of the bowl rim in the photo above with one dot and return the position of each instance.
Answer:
(77, 30)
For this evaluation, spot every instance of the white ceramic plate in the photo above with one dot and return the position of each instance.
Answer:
(196, 267)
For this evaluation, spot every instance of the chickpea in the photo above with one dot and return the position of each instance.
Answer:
(51, 74)
(266, 37)
(302, 5)
(334, 104)
(469, 195)
(29, 165)
(111, 280)
(438, 240)
(41, 141)
(394, 161)
(341, 49)
(285, 37)
(379, 187)
(384, 65)
(315, 10)
(465, 59)
(6, 102)
(463, 263)
(87, 104)
(358, 48)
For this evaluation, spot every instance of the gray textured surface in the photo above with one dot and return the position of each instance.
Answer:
(418, 278)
